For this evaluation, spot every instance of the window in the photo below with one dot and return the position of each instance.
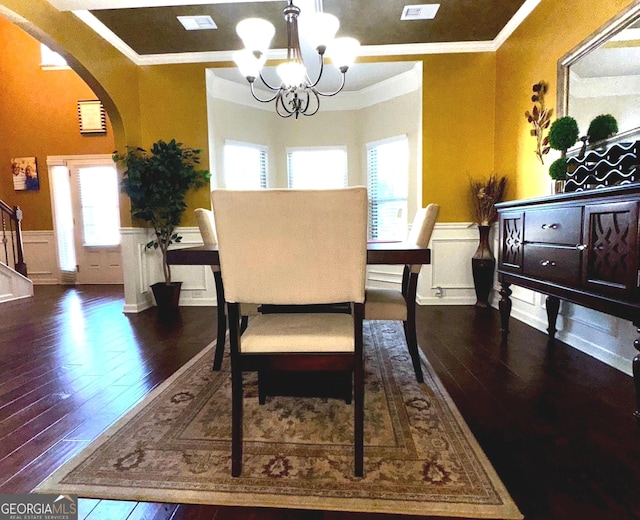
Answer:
(50, 59)
(99, 205)
(388, 185)
(317, 168)
(245, 166)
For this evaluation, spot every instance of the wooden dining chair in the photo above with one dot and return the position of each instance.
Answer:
(400, 304)
(206, 225)
(292, 248)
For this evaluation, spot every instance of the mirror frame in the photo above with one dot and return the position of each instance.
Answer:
(613, 26)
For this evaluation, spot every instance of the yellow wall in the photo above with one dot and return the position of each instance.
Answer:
(457, 129)
(528, 56)
(39, 115)
(112, 76)
(473, 104)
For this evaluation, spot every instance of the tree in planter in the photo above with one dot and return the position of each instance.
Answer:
(563, 134)
(157, 183)
(602, 127)
(558, 169)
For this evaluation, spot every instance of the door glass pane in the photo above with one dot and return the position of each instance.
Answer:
(63, 215)
(99, 205)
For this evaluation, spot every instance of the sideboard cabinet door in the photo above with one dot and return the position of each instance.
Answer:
(611, 255)
(512, 241)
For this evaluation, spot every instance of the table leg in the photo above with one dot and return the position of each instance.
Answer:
(553, 306)
(505, 309)
(222, 321)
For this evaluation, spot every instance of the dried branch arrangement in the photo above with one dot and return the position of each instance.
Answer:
(485, 193)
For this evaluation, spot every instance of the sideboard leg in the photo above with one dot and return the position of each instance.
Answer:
(636, 374)
(505, 309)
(553, 306)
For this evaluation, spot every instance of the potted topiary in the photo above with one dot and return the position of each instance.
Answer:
(563, 134)
(558, 172)
(157, 183)
(602, 127)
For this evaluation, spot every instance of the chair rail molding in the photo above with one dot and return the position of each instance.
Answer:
(448, 280)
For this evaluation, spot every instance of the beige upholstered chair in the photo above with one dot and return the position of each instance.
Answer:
(206, 224)
(290, 248)
(391, 304)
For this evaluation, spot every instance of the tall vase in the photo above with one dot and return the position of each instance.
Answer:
(483, 264)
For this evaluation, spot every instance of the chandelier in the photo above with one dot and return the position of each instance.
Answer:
(296, 94)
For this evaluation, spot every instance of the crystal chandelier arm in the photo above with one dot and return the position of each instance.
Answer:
(253, 93)
(267, 84)
(315, 93)
(329, 94)
(281, 108)
(321, 56)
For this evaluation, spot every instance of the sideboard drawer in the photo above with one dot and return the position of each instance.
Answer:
(553, 226)
(552, 264)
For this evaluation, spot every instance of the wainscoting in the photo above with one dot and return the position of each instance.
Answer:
(447, 281)
(39, 248)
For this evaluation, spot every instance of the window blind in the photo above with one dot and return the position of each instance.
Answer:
(245, 166)
(388, 186)
(317, 168)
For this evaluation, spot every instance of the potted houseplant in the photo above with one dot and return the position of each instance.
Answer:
(563, 134)
(157, 182)
(602, 127)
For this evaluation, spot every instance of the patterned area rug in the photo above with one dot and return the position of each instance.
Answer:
(420, 457)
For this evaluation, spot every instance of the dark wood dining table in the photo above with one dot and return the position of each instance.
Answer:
(386, 253)
(398, 253)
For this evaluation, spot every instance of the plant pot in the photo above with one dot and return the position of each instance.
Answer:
(483, 264)
(167, 296)
(557, 187)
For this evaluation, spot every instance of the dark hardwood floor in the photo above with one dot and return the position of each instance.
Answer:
(555, 423)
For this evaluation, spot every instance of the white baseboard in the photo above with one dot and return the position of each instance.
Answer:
(448, 280)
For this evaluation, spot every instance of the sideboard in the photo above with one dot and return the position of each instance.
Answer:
(580, 247)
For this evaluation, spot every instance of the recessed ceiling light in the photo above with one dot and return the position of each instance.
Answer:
(419, 12)
(197, 23)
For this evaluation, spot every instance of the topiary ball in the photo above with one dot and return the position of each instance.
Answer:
(563, 133)
(602, 127)
(558, 169)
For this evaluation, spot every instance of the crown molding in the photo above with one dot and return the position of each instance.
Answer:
(93, 5)
(412, 49)
(405, 83)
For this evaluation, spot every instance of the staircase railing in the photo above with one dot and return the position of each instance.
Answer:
(11, 237)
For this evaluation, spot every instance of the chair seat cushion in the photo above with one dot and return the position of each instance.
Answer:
(384, 304)
(299, 332)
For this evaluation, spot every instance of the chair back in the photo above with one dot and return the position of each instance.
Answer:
(288, 247)
(207, 227)
(422, 228)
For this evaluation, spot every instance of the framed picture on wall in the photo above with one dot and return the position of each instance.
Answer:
(92, 118)
(25, 173)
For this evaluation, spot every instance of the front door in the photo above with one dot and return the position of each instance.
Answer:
(94, 196)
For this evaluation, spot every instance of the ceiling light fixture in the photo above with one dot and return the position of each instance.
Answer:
(297, 94)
